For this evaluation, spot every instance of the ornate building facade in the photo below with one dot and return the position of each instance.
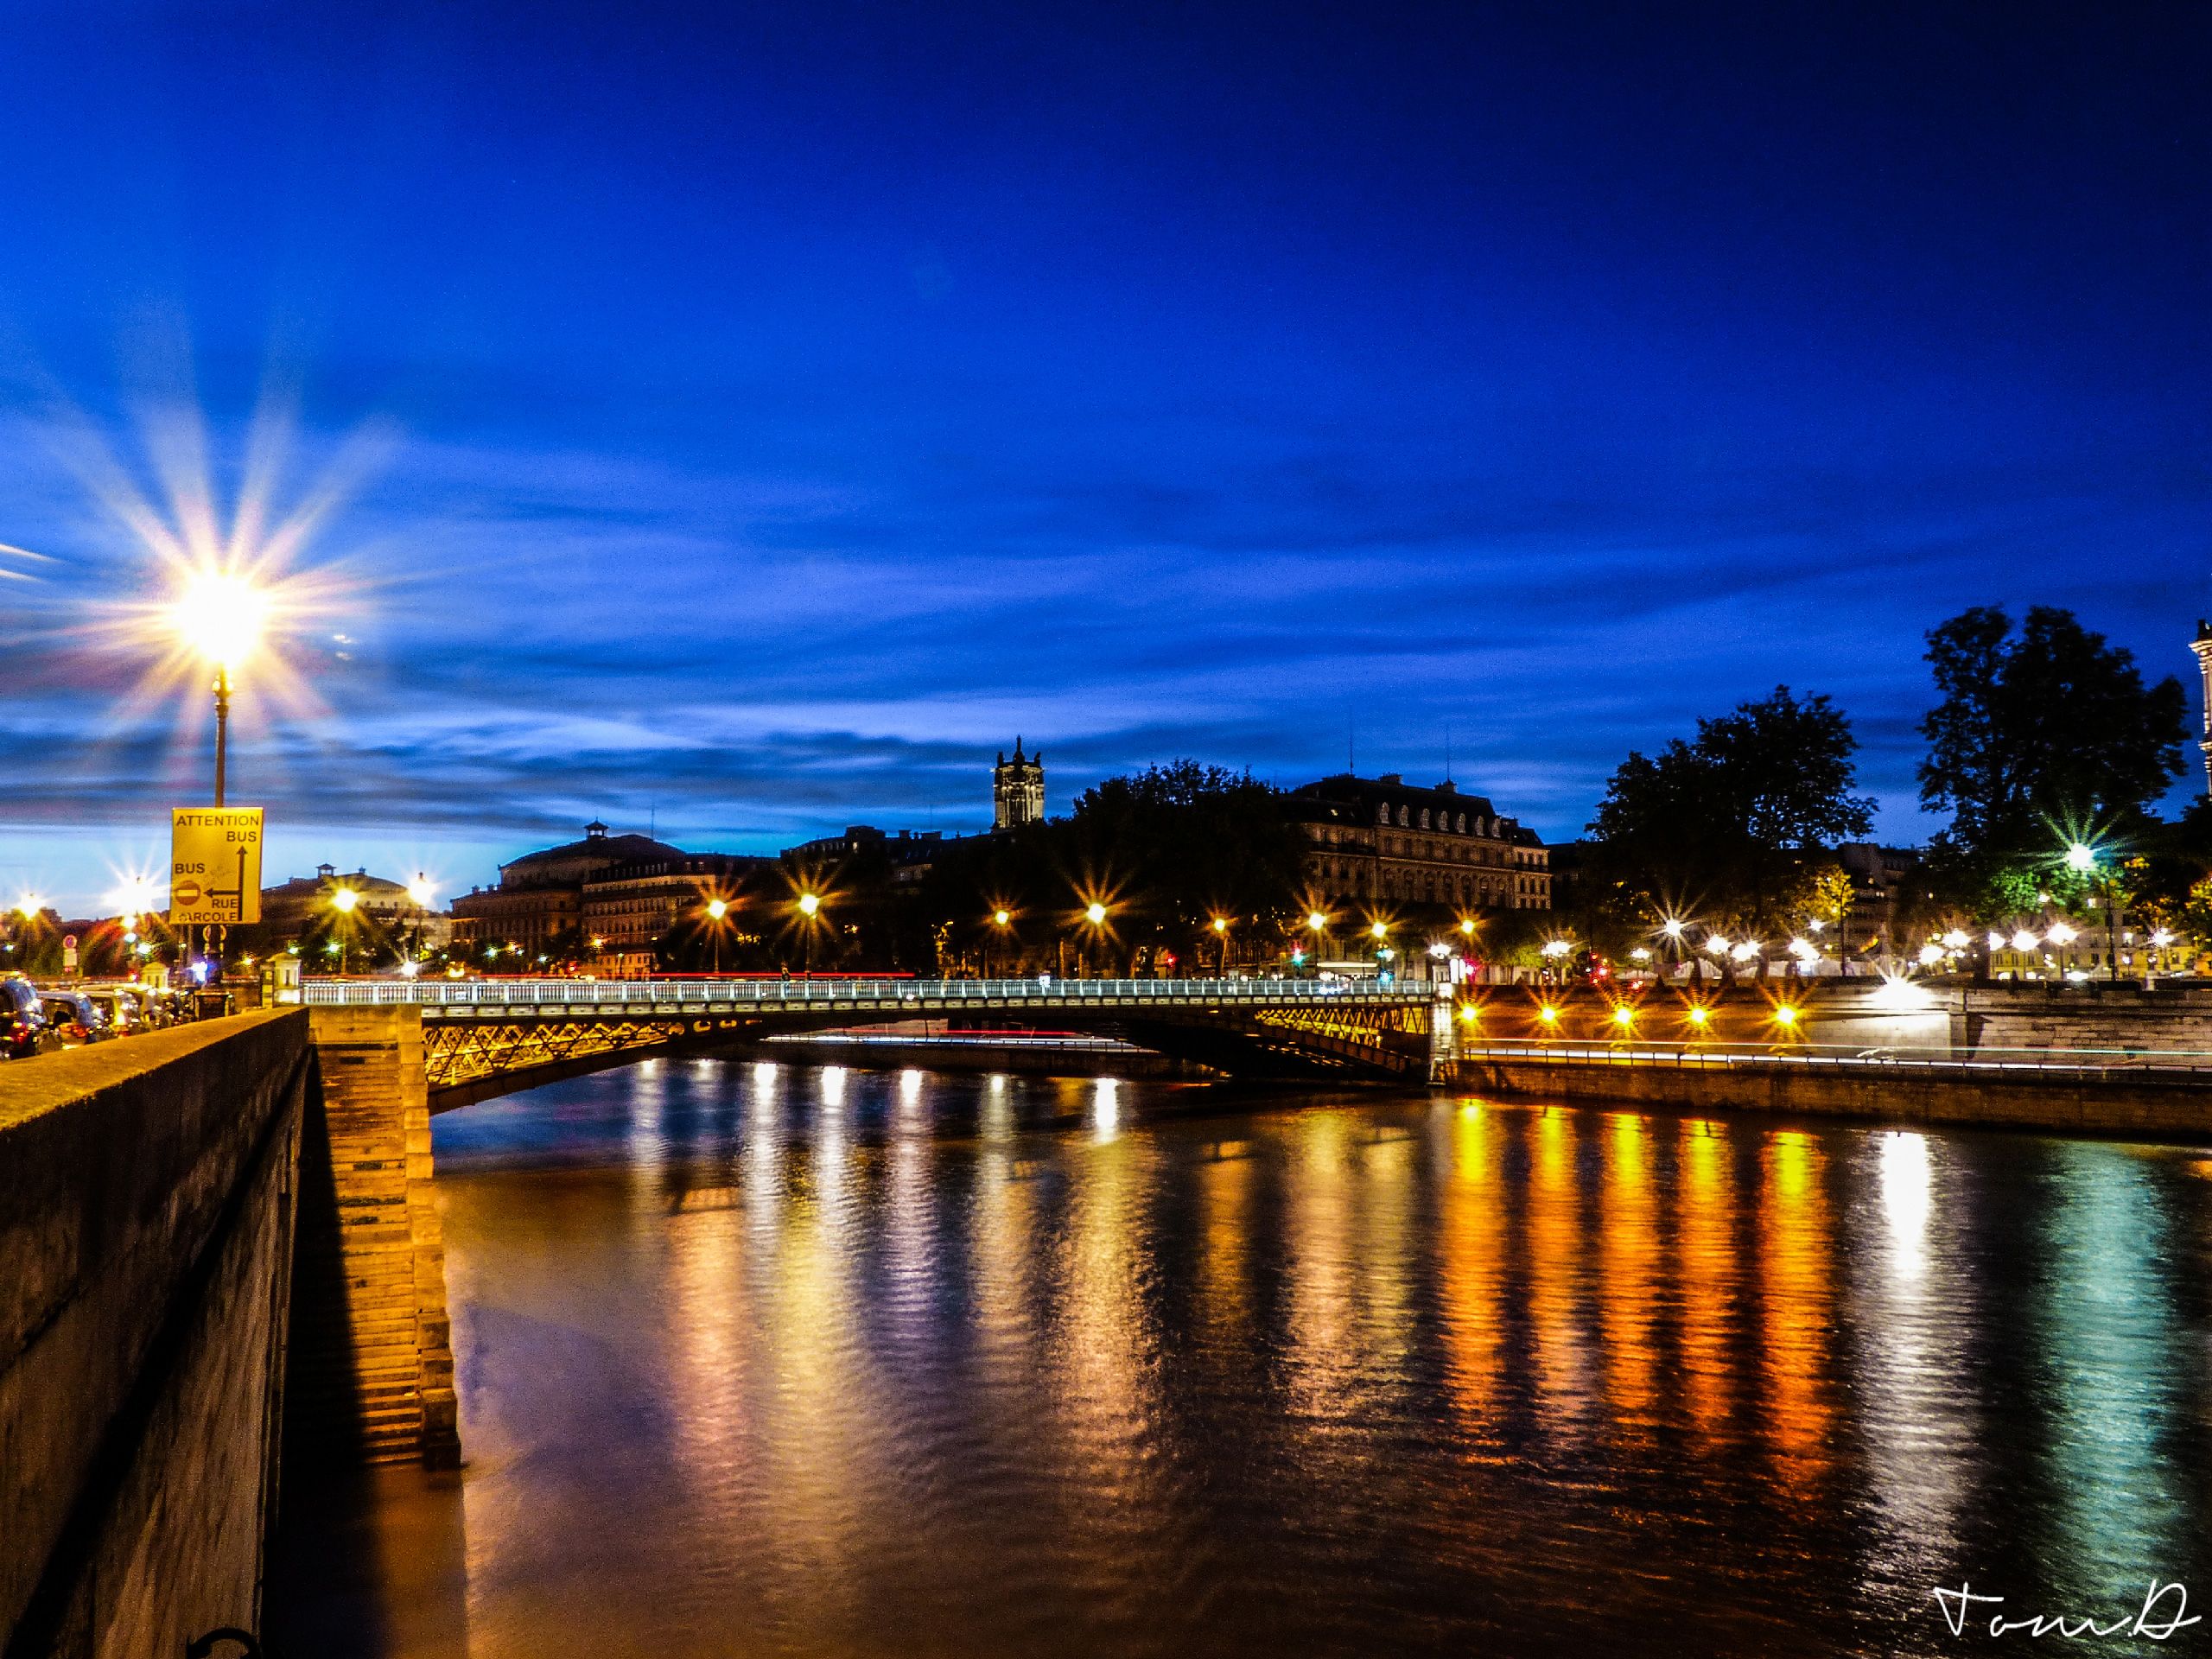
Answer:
(1382, 842)
(541, 895)
(1017, 790)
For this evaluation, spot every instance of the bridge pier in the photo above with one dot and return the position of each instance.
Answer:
(372, 1360)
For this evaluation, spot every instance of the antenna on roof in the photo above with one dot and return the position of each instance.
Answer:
(1351, 762)
(1447, 751)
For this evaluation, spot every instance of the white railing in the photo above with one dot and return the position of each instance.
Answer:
(872, 993)
(2151, 1064)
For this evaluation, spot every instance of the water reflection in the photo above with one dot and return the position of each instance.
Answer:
(758, 1357)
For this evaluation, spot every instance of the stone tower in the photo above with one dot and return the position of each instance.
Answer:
(2202, 647)
(1018, 787)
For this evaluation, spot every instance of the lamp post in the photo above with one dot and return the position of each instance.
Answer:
(1094, 916)
(2081, 858)
(717, 907)
(810, 910)
(1319, 923)
(219, 616)
(1221, 933)
(1000, 918)
(344, 901)
(422, 895)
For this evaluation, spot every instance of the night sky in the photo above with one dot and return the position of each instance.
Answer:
(747, 421)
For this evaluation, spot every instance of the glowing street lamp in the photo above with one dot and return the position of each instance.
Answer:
(1220, 925)
(344, 900)
(809, 904)
(716, 908)
(2081, 858)
(420, 892)
(134, 897)
(219, 617)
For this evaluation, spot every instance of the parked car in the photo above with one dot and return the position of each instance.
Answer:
(124, 1013)
(23, 1028)
(76, 1017)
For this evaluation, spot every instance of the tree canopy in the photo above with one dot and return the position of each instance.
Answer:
(2047, 734)
(1165, 851)
(1723, 823)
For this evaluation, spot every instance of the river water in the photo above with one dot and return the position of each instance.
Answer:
(772, 1359)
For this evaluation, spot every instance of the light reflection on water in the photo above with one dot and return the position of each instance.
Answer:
(814, 1361)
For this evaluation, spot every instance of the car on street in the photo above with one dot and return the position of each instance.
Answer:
(23, 1028)
(75, 1017)
(126, 1014)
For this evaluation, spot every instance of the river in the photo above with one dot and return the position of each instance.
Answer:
(761, 1358)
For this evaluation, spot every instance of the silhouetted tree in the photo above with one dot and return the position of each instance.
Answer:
(1166, 850)
(2053, 727)
(1720, 823)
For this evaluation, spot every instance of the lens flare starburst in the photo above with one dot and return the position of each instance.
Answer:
(217, 580)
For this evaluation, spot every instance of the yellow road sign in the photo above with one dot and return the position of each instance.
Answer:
(214, 864)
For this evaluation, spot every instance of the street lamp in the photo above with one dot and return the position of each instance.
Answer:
(219, 616)
(1093, 918)
(717, 907)
(1221, 932)
(810, 907)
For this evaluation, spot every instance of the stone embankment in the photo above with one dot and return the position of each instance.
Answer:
(2097, 1059)
(147, 1204)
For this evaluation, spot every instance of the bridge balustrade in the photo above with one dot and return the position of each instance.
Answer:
(677, 994)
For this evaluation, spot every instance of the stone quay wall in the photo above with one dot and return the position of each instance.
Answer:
(2174, 1016)
(147, 1206)
(2064, 1103)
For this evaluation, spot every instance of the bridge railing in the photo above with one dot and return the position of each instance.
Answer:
(885, 993)
(2101, 1064)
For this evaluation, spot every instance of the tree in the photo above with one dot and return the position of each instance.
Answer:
(2046, 733)
(1720, 823)
(1165, 850)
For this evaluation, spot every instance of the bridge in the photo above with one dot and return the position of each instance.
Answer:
(488, 1037)
(223, 1237)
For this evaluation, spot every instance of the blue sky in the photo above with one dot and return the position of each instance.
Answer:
(749, 419)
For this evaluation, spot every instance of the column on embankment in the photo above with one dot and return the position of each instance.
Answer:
(372, 1366)
(147, 1195)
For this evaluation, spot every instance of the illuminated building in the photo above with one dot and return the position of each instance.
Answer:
(1385, 841)
(541, 895)
(1017, 790)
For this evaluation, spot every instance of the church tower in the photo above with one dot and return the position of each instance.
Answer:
(2202, 647)
(1018, 787)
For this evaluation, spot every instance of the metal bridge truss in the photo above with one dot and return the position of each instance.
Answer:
(483, 1039)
